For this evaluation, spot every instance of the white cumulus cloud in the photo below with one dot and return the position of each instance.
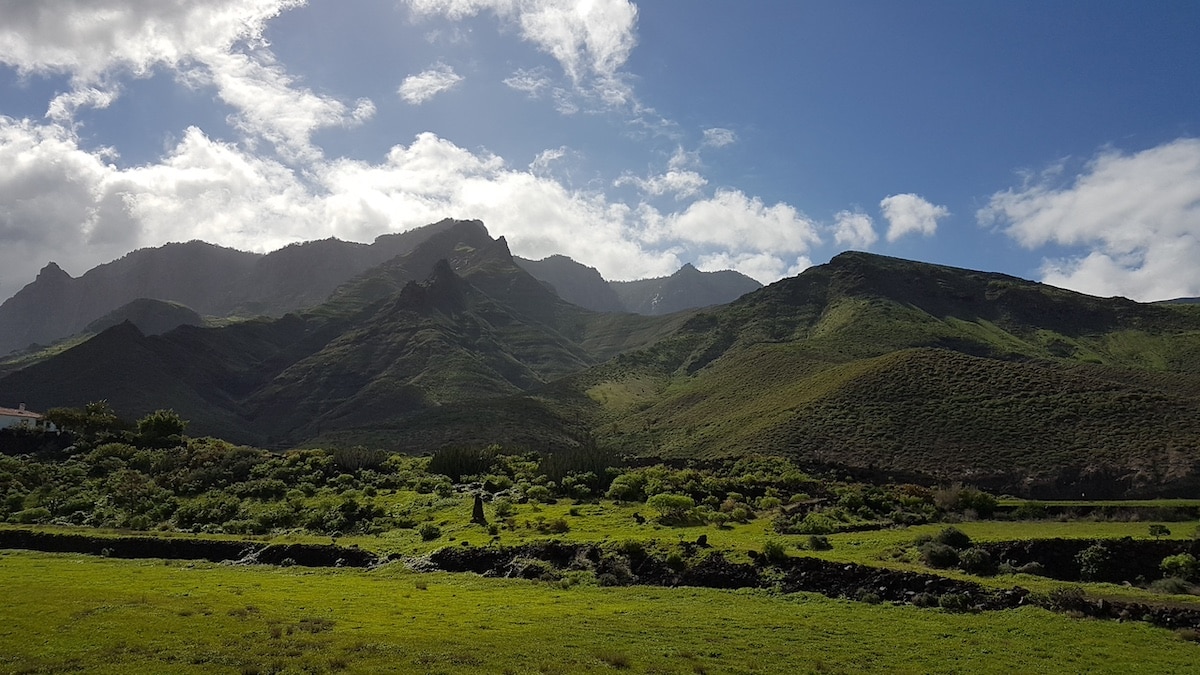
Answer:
(854, 229)
(87, 38)
(64, 203)
(734, 221)
(217, 43)
(419, 88)
(911, 214)
(1135, 215)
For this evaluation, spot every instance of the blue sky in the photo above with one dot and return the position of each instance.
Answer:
(1058, 141)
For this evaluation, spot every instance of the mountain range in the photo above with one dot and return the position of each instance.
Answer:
(867, 364)
(225, 284)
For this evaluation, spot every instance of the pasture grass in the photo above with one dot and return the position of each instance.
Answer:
(69, 613)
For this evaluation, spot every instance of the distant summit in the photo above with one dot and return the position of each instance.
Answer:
(224, 283)
(685, 289)
(212, 280)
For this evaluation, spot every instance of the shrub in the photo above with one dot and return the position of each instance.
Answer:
(954, 538)
(938, 555)
(955, 602)
(1159, 531)
(816, 523)
(977, 561)
(540, 493)
(766, 503)
(869, 597)
(963, 499)
(1182, 566)
(503, 508)
(925, 600)
(1030, 511)
(672, 508)
(774, 551)
(556, 526)
(38, 514)
(676, 562)
(1172, 585)
(429, 531)
(819, 542)
(719, 519)
(1095, 563)
(161, 426)
(1066, 599)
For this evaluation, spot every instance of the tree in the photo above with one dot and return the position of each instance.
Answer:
(672, 508)
(160, 426)
(1181, 566)
(92, 423)
(1159, 531)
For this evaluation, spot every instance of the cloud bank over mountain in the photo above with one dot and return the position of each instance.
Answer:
(257, 123)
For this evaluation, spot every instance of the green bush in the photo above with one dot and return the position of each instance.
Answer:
(1095, 563)
(1172, 586)
(938, 555)
(38, 514)
(503, 508)
(977, 561)
(429, 531)
(816, 523)
(1030, 511)
(819, 542)
(954, 538)
(925, 600)
(1181, 566)
(672, 508)
(1159, 531)
(540, 493)
(774, 551)
(955, 602)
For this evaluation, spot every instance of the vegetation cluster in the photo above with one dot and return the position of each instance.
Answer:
(105, 472)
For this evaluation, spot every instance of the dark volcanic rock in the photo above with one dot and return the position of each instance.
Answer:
(307, 555)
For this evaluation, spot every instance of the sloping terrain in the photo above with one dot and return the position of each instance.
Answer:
(895, 367)
(867, 363)
(453, 321)
(152, 317)
(574, 282)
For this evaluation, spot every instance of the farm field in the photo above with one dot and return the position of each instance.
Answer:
(71, 613)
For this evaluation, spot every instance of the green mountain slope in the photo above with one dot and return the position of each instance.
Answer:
(870, 364)
(453, 321)
(876, 363)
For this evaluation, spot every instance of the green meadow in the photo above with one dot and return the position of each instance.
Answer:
(70, 613)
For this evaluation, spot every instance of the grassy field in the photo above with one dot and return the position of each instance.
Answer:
(1112, 503)
(614, 522)
(66, 613)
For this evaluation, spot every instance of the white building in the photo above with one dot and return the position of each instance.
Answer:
(20, 417)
